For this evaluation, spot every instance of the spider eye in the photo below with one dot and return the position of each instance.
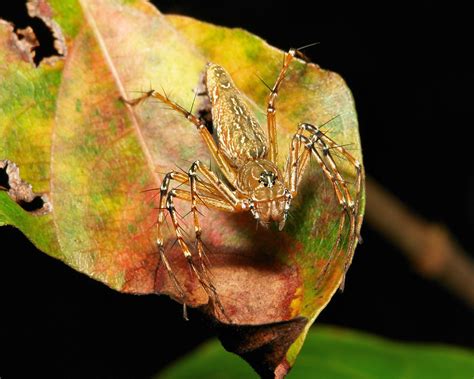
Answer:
(267, 178)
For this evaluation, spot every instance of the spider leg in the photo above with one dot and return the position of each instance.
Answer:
(271, 109)
(327, 144)
(271, 102)
(201, 273)
(334, 177)
(229, 197)
(204, 188)
(212, 193)
(224, 193)
(226, 200)
(163, 204)
(351, 206)
(297, 161)
(222, 189)
(207, 201)
(319, 146)
(220, 159)
(348, 208)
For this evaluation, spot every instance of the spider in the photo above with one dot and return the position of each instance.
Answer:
(253, 182)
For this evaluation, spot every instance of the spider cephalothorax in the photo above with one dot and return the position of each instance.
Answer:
(269, 199)
(247, 159)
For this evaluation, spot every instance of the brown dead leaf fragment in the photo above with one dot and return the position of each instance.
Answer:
(27, 42)
(23, 42)
(263, 346)
(20, 191)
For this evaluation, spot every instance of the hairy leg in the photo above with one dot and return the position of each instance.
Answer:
(228, 171)
(319, 145)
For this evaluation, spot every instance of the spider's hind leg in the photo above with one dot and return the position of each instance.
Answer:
(271, 100)
(271, 106)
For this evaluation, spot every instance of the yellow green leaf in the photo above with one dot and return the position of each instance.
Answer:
(92, 157)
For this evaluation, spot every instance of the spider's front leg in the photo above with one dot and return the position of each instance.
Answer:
(164, 203)
(218, 188)
(326, 144)
(212, 193)
(319, 146)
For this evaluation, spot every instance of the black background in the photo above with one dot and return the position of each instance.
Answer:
(412, 79)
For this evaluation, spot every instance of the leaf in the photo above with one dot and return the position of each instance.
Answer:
(92, 158)
(330, 352)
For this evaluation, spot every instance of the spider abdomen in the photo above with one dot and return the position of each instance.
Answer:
(238, 133)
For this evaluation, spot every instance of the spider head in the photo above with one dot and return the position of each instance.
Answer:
(269, 199)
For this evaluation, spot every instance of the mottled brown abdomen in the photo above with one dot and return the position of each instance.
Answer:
(239, 135)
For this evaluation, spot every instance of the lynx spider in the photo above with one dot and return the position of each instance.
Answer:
(248, 162)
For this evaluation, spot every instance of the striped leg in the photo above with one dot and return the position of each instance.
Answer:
(200, 125)
(327, 144)
(212, 193)
(163, 204)
(271, 110)
(271, 101)
(319, 146)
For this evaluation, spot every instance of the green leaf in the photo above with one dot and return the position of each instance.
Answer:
(91, 157)
(333, 353)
